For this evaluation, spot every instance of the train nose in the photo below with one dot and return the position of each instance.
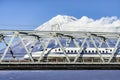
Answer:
(26, 57)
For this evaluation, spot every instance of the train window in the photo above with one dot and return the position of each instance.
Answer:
(58, 49)
(92, 51)
(71, 51)
(100, 51)
(82, 51)
(96, 52)
(68, 51)
(89, 51)
(75, 51)
(55, 50)
(106, 51)
(103, 51)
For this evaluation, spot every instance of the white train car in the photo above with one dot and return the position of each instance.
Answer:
(71, 52)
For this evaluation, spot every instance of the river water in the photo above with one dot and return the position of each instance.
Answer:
(60, 75)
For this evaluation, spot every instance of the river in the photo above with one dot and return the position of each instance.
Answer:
(60, 75)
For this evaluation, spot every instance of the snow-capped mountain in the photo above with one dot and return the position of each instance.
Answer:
(70, 23)
(55, 22)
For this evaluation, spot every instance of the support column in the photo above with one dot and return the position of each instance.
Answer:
(101, 42)
(58, 41)
(88, 45)
(28, 52)
(45, 47)
(114, 51)
(68, 42)
(7, 48)
(81, 48)
(96, 48)
(107, 44)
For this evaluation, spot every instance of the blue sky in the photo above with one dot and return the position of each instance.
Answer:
(29, 14)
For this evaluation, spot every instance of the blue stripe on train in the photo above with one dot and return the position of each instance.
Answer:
(77, 53)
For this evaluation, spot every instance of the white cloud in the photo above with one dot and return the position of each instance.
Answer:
(104, 24)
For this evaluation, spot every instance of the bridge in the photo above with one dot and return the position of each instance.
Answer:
(28, 40)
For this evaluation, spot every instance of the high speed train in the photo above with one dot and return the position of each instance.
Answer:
(71, 52)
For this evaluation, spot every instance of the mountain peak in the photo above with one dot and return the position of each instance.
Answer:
(64, 18)
(57, 20)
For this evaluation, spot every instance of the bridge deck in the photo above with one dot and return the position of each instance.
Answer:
(59, 66)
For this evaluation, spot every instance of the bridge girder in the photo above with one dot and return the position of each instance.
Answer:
(57, 35)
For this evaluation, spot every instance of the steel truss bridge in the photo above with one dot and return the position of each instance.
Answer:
(10, 59)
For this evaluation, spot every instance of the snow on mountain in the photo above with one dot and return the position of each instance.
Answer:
(56, 21)
(69, 23)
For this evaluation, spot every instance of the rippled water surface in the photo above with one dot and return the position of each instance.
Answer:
(61, 75)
